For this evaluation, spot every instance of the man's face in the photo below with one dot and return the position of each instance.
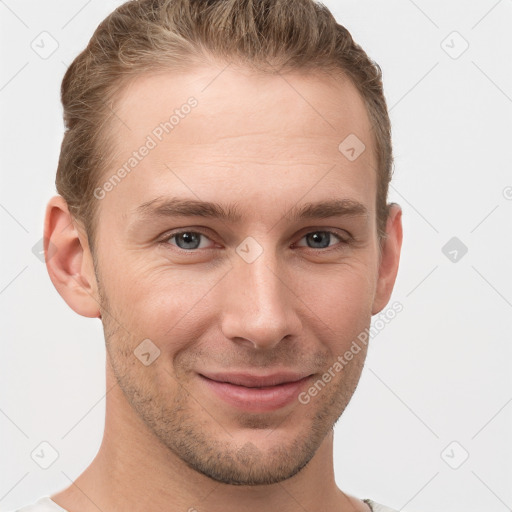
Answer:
(268, 145)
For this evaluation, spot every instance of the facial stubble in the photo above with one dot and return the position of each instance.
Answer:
(194, 432)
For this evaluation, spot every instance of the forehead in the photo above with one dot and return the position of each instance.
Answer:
(220, 130)
(238, 101)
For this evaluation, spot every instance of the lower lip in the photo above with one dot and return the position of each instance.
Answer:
(264, 399)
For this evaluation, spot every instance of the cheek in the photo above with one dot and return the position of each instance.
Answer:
(341, 293)
(167, 305)
(171, 304)
(339, 309)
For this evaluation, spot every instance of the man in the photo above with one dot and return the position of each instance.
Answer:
(222, 208)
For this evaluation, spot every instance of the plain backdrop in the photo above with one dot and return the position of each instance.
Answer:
(429, 425)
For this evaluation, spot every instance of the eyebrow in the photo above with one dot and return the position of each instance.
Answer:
(162, 207)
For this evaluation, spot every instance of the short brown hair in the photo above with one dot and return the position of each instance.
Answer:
(150, 35)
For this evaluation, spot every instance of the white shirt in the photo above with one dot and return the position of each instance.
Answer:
(45, 504)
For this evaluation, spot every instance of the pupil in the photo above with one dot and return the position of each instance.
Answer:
(318, 236)
(189, 238)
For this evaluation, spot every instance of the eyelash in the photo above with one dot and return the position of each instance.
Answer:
(340, 246)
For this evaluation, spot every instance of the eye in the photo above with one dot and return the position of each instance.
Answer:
(187, 240)
(192, 240)
(321, 239)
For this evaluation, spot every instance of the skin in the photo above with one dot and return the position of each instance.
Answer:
(169, 443)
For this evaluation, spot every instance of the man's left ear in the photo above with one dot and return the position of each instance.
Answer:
(389, 259)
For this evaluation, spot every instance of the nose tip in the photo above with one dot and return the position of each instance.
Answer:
(258, 343)
(260, 328)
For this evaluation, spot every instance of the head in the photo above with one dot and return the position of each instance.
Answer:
(223, 188)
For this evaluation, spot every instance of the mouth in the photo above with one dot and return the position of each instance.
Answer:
(255, 393)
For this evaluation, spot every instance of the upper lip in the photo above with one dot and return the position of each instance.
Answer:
(253, 381)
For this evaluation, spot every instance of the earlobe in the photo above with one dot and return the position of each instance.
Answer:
(68, 259)
(390, 259)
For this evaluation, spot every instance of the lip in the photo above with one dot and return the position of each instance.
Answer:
(251, 380)
(255, 393)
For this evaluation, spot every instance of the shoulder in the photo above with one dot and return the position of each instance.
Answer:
(377, 507)
(43, 504)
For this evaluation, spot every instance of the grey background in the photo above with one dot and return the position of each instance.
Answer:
(437, 374)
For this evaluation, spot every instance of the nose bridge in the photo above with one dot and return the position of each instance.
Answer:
(259, 305)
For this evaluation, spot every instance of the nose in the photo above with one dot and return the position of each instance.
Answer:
(259, 308)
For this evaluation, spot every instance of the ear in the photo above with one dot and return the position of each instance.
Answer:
(389, 258)
(69, 260)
